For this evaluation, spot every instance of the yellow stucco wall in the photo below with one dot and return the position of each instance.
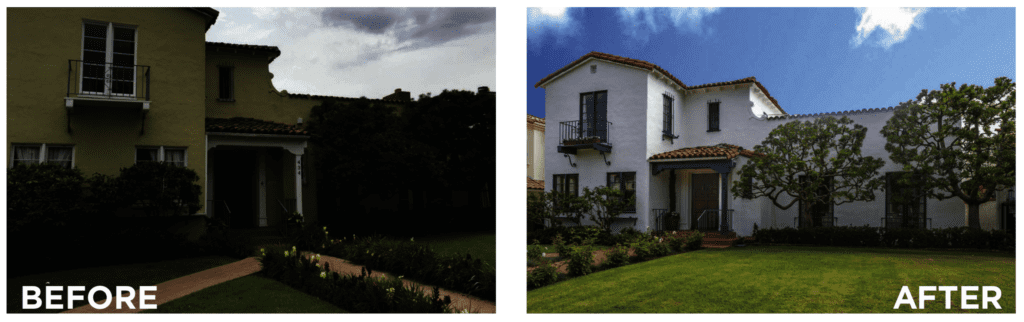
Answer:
(170, 40)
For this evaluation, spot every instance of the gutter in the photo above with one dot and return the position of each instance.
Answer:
(690, 159)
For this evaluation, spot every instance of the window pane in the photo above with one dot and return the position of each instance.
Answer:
(96, 31)
(175, 157)
(613, 181)
(26, 155)
(145, 154)
(122, 33)
(59, 155)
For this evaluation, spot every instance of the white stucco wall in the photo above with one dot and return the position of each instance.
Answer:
(635, 109)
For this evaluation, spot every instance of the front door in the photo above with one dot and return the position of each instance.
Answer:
(704, 196)
(235, 186)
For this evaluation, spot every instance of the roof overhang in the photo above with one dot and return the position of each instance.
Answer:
(209, 13)
(584, 63)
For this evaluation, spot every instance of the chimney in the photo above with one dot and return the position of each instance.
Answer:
(399, 95)
(482, 90)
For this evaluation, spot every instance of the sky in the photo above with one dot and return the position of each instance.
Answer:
(355, 52)
(812, 60)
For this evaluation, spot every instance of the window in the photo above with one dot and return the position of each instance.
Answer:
(625, 182)
(748, 191)
(108, 59)
(667, 117)
(713, 116)
(594, 115)
(905, 202)
(226, 78)
(817, 214)
(174, 156)
(567, 183)
(63, 155)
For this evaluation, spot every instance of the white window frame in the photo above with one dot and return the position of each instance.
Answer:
(110, 58)
(161, 153)
(43, 147)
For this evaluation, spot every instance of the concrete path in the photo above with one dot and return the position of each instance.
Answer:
(179, 287)
(460, 301)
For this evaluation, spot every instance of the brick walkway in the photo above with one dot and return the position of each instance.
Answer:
(179, 287)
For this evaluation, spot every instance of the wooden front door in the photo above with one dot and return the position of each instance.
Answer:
(704, 195)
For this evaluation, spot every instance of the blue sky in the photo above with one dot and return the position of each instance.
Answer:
(811, 60)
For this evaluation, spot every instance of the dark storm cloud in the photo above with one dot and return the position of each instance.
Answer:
(430, 26)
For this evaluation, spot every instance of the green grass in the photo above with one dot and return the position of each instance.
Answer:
(248, 294)
(133, 275)
(782, 279)
(479, 245)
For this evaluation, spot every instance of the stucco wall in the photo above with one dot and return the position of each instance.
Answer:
(42, 41)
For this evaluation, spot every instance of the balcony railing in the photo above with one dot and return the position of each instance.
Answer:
(107, 80)
(573, 135)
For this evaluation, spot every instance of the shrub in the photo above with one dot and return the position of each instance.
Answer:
(546, 235)
(159, 187)
(406, 257)
(694, 240)
(534, 253)
(362, 293)
(677, 244)
(626, 236)
(581, 260)
(42, 195)
(865, 236)
(583, 235)
(543, 275)
(560, 246)
(643, 249)
(619, 256)
(660, 248)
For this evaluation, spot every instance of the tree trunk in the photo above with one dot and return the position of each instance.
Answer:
(974, 215)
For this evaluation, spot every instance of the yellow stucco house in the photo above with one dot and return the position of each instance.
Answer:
(99, 89)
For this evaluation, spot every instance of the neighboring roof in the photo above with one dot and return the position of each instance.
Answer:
(721, 150)
(321, 97)
(652, 67)
(865, 110)
(272, 50)
(534, 119)
(534, 184)
(251, 125)
(609, 57)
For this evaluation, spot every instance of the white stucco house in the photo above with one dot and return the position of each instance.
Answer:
(630, 124)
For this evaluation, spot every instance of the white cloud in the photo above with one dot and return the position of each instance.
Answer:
(556, 22)
(640, 23)
(893, 24)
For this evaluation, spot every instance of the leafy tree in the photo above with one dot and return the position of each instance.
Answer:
(606, 205)
(960, 141)
(801, 158)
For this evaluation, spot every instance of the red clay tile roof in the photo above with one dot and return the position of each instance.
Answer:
(533, 119)
(865, 110)
(612, 58)
(534, 184)
(273, 50)
(721, 150)
(649, 66)
(251, 125)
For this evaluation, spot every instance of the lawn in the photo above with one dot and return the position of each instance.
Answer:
(782, 279)
(478, 245)
(248, 294)
(133, 275)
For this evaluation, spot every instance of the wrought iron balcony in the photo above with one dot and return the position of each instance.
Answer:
(102, 84)
(575, 135)
(107, 80)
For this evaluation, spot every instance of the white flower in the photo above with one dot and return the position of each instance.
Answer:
(323, 274)
(293, 249)
(401, 276)
(286, 253)
(464, 311)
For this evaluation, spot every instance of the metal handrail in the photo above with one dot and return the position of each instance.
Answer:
(726, 220)
(572, 133)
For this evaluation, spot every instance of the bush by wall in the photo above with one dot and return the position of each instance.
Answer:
(417, 261)
(43, 195)
(581, 260)
(363, 293)
(956, 237)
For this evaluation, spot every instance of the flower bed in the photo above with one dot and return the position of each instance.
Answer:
(363, 293)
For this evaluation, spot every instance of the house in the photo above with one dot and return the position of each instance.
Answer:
(632, 125)
(100, 89)
(534, 153)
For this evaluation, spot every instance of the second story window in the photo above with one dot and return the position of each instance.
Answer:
(108, 59)
(666, 123)
(713, 116)
(594, 115)
(226, 79)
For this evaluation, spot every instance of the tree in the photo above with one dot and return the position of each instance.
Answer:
(816, 162)
(959, 140)
(606, 204)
